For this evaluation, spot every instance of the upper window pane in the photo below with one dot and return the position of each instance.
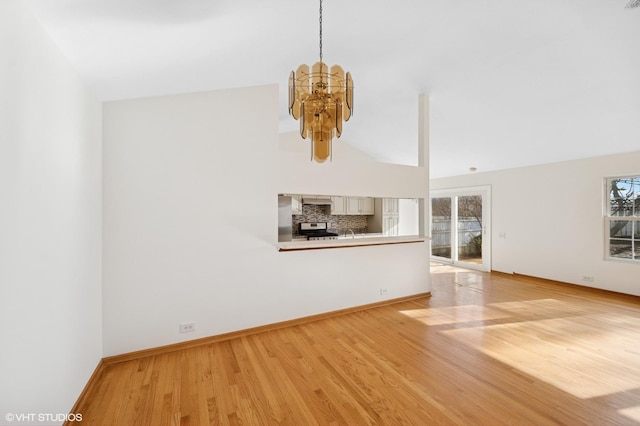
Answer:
(624, 196)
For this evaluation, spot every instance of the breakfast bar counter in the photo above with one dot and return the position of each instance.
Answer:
(347, 242)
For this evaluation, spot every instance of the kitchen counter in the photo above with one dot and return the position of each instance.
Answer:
(348, 241)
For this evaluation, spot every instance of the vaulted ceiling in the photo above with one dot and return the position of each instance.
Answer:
(511, 82)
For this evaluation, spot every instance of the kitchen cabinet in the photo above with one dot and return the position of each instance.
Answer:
(338, 206)
(296, 204)
(353, 205)
(367, 205)
(390, 216)
(359, 206)
(390, 206)
(390, 225)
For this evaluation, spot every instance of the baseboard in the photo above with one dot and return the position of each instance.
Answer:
(550, 282)
(249, 331)
(88, 389)
(104, 362)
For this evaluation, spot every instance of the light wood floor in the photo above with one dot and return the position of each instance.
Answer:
(485, 349)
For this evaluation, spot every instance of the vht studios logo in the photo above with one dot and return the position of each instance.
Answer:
(43, 417)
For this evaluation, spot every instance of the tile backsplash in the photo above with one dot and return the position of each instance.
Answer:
(336, 223)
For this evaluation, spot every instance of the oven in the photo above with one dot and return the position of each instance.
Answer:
(316, 231)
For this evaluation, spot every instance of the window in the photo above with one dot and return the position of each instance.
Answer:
(622, 220)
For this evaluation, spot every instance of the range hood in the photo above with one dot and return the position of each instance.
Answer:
(316, 201)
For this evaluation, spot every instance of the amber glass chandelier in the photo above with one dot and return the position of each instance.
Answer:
(321, 99)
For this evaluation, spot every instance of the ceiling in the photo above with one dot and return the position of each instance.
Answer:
(511, 82)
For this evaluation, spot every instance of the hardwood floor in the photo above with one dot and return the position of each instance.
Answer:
(485, 349)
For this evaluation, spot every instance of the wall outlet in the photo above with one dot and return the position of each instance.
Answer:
(187, 327)
(587, 278)
(383, 291)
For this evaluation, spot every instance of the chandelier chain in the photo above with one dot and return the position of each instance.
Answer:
(320, 20)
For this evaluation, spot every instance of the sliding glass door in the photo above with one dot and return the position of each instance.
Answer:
(459, 227)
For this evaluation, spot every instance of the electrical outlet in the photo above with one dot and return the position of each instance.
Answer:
(383, 291)
(587, 278)
(187, 327)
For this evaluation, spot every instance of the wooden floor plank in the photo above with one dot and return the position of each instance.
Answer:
(485, 349)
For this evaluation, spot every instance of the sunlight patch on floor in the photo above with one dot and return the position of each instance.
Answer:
(633, 413)
(445, 268)
(454, 314)
(467, 278)
(584, 355)
(457, 275)
(543, 307)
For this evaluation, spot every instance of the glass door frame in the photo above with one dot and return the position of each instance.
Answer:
(482, 191)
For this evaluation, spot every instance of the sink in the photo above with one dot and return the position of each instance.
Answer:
(358, 236)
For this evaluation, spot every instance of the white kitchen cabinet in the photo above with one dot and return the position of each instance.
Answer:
(296, 204)
(390, 206)
(353, 205)
(390, 216)
(338, 206)
(390, 225)
(367, 205)
(359, 206)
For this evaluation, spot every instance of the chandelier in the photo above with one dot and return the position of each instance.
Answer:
(322, 99)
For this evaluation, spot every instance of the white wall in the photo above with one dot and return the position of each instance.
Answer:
(50, 222)
(190, 222)
(552, 216)
(349, 173)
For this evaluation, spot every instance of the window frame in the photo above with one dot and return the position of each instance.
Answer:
(609, 218)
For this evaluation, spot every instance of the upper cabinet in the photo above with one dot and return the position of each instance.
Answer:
(296, 204)
(338, 205)
(390, 216)
(367, 205)
(390, 206)
(359, 205)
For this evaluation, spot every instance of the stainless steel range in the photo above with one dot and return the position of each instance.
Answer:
(316, 231)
